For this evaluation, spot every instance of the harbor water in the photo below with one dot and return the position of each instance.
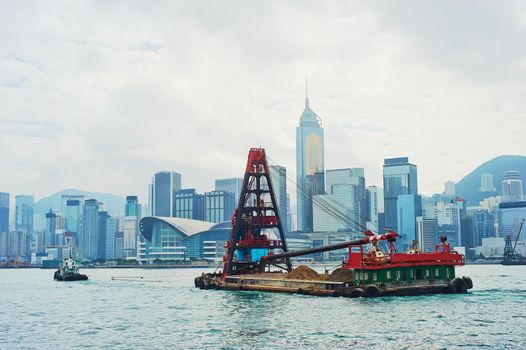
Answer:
(163, 310)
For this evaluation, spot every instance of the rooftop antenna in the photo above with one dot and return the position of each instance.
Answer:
(306, 93)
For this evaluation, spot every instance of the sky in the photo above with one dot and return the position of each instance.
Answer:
(99, 95)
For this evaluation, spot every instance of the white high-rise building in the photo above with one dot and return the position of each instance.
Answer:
(486, 183)
(449, 188)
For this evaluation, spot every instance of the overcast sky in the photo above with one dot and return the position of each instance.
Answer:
(98, 95)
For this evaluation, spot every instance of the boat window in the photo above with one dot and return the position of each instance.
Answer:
(436, 273)
(388, 274)
(427, 273)
(404, 275)
(398, 275)
(447, 273)
(411, 273)
(419, 275)
(374, 276)
(366, 275)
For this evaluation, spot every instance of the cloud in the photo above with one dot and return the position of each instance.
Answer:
(100, 95)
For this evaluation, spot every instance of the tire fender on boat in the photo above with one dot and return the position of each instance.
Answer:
(372, 291)
(356, 293)
(468, 281)
(460, 285)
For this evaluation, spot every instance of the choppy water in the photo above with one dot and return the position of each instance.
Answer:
(39, 313)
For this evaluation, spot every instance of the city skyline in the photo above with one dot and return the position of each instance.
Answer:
(126, 103)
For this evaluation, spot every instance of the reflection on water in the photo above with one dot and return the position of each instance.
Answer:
(37, 312)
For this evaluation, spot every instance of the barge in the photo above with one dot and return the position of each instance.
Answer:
(257, 257)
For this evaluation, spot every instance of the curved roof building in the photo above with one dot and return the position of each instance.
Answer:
(172, 238)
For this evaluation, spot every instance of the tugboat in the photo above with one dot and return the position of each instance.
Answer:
(369, 273)
(69, 271)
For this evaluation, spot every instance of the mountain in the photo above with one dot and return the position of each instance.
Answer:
(469, 187)
(114, 204)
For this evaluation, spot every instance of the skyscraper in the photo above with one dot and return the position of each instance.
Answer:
(219, 206)
(408, 208)
(278, 176)
(24, 214)
(102, 222)
(4, 212)
(161, 191)
(111, 228)
(512, 186)
(72, 215)
(486, 183)
(132, 207)
(400, 177)
(374, 203)
(49, 234)
(88, 237)
(309, 163)
(346, 197)
(189, 204)
(232, 185)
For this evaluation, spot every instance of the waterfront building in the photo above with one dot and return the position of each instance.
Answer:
(219, 206)
(119, 245)
(373, 205)
(4, 212)
(130, 237)
(427, 233)
(14, 245)
(486, 183)
(70, 197)
(449, 215)
(408, 208)
(400, 177)
(512, 187)
(73, 211)
(449, 188)
(24, 214)
(483, 225)
(112, 225)
(278, 176)
(49, 233)
(102, 223)
(181, 239)
(491, 247)
(309, 165)
(189, 204)
(160, 195)
(511, 214)
(88, 237)
(232, 185)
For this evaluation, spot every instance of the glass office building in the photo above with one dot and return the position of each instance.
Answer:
(24, 214)
(400, 177)
(219, 206)
(4, 212)
(278, 176)
(232, 185)
(188, 204)
(408, 208)
(161, 191)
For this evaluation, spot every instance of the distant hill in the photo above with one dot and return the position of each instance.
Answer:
(469, 187)
(114, 204)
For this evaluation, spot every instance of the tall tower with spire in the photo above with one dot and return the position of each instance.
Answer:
(310, 168)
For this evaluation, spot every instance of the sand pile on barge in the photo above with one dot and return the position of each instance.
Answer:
(341, 275)
(303, 272)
